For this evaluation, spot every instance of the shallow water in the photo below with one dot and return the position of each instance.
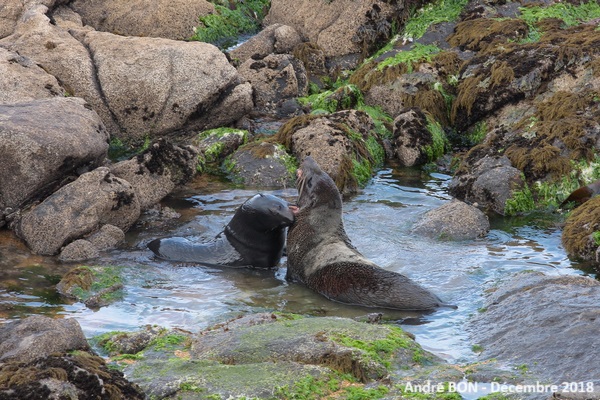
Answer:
(378, 221)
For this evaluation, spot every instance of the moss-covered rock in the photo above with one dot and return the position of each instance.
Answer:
(345, 145)
(580, 235)
(95, 286)
(261, 164)
(272, 356)
(215, 145)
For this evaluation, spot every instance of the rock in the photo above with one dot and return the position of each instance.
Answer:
(9, 14)
(167, 99)
(413, 143)
(130, 342)
(453, 221)
(276, 78)
(155, 173)
(215, 145)
(254, 355)
(111, 73)
(343, 29)
(170, 19)
(37, 336)
(94, 286)
(547, 323)
(22, 80)
(262, 164)
(78, 375)
(43, 143)
(342, 143)
(78, 250)
(276, 38)
(108, 237)
(78, 209)
(59, 52)
(492, 181)
(579, 232)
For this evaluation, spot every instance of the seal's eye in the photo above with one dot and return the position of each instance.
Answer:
(309, 183)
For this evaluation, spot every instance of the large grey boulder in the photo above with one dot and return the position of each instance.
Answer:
(60, 54)
(550, 324)
(170, 19)
(454, 220)
(42, 143)
(21, 79)
(154, 86)
(343, 29)
(140, 87)
(80, 208)
(38, 336)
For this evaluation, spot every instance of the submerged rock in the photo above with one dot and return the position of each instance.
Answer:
(548, 324)
(455, 220)
(95, 286)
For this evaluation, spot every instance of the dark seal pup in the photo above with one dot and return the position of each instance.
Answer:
(321, 256)
(254, 237)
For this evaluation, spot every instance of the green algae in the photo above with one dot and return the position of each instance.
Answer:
(431, 14)
(418, 53)
(439, 140)
(97, 285)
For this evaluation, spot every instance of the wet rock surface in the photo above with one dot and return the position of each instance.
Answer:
(528, 315)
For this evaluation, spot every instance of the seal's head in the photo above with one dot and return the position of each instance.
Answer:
(315, 187)
(268, 211)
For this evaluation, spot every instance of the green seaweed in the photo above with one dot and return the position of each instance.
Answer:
(431, 14)
(440, 141)
(418, 53)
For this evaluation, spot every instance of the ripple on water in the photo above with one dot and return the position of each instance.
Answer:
(378, 221)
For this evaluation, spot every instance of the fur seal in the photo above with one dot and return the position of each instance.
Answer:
(321, 256)
(254, 237)
(582, 194)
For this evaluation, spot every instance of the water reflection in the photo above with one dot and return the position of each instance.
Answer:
(378, 221)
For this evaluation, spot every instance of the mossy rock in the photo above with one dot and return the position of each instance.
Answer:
(581, 237)
(95, 286)
(215, 145)
(274, 356)
(344, 144)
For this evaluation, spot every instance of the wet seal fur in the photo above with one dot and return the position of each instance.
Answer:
(321, 256)
(254, 237)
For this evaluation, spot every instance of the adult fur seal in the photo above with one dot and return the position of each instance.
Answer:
(321, 256)
(254, 237)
